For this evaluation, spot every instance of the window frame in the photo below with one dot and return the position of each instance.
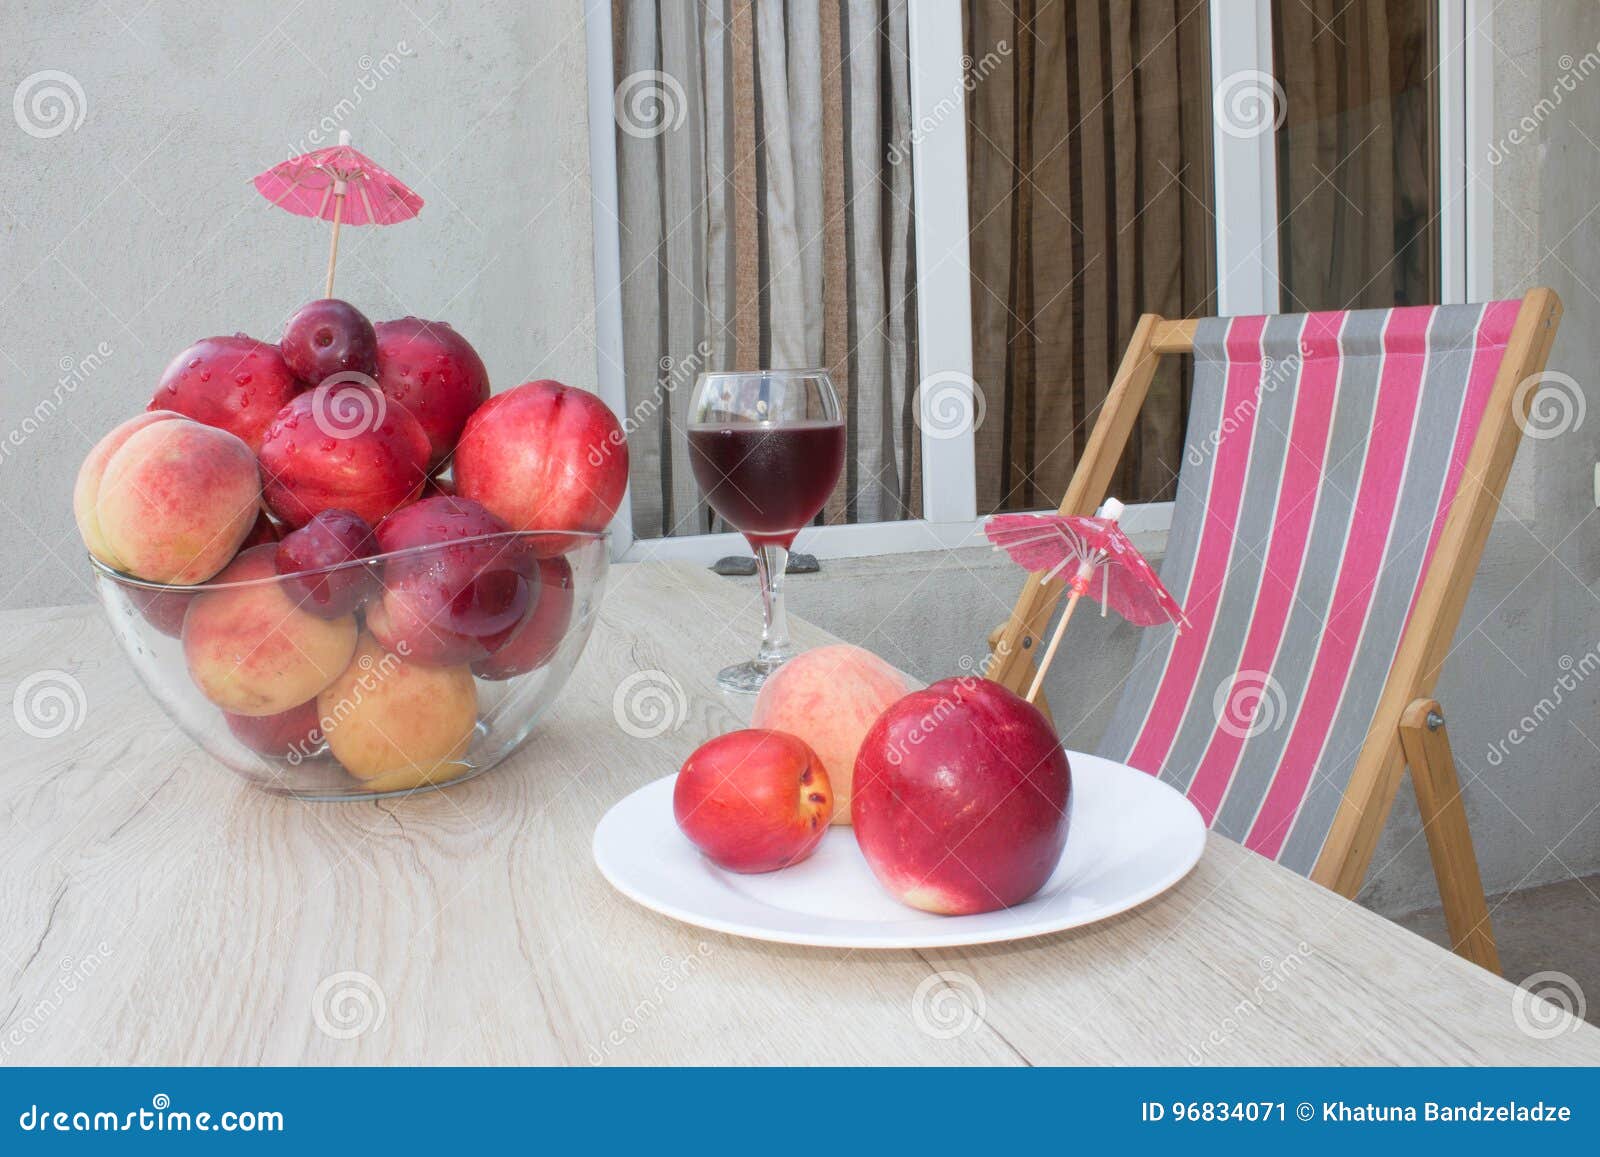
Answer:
(1245, 206)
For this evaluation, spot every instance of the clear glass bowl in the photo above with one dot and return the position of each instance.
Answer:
(401, 672)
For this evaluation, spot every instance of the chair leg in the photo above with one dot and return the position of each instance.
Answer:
(1444, 821)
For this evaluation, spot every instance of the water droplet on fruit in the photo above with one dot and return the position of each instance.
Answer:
(194, 362)
(243, 379)
(205, 375)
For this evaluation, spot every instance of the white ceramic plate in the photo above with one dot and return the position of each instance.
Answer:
(1131, 838)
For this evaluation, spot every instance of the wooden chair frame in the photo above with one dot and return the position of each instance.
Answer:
(1408, 725)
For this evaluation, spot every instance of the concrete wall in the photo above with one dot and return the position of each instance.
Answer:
(1529, 643)
(123, 240)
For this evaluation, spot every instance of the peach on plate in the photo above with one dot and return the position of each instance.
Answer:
(237, 384)
(395, 724)
(961, 798)
(252, 650)
(342, 445)
(544, 456)
(753, 801)
(166, 499)
(830, 697)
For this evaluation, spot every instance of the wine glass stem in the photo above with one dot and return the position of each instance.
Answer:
(771, 563)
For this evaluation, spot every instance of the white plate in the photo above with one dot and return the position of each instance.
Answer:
(1131, 838)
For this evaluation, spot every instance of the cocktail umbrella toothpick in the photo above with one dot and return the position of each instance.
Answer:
(1048, 544)
(341, 185)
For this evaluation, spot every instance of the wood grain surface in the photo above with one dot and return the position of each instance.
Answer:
(155, 910)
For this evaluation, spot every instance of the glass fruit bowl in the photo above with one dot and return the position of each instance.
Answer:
(380, 676)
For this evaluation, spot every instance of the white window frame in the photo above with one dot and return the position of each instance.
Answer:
(1245, 203)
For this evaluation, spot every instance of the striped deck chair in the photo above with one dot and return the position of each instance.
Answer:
(1340, 476)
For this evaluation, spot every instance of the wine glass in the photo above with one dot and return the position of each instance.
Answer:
(766, 447)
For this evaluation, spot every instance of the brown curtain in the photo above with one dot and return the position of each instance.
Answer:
(766, 222)
(1089, 192)
(1357, 153)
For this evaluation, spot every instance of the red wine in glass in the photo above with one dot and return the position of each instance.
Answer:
(768, 481)
(766, 447)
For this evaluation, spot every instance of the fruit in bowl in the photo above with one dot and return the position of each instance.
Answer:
(253, 649)
(167, 499)
(395, 724)
(544, 456)
(342, 445)
(962, 796)
(387, 634)
(753, 801)
(431, 370)
(237, 384)
(830, 697)
(329, 337)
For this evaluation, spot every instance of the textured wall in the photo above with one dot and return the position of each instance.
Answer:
(131, 235)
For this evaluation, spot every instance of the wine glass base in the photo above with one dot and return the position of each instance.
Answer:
(747, 678)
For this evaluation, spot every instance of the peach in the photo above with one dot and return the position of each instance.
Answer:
(544, 456)
(395, 724)
(252, 650)
(86, 491)
(753, 801)
(233, 383)
(830, 697)
(174, 502)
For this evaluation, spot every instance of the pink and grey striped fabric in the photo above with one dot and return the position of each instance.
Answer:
(1323, 453)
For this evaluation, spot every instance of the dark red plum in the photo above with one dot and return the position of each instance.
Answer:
(533, 641)
(331, 538)
(329, 337)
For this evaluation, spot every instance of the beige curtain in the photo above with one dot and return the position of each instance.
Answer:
(1089, 194)
(1357, 157)
(763, 224)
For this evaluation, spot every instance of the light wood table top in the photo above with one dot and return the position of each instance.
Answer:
(154, 910)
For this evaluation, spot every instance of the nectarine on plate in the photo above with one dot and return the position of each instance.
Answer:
(1132, 838)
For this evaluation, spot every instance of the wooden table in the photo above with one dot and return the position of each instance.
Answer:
(153, 910)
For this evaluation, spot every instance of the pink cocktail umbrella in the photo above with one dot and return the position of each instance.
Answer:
(1049, 544)
(341, 185)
